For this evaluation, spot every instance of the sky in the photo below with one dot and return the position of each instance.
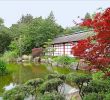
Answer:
(65, 11)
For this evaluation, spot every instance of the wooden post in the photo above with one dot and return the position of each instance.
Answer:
(64, 48)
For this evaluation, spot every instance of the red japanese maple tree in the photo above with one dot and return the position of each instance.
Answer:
(95, 50)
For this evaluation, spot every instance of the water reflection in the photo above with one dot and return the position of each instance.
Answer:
(21, 73)
(8, 87)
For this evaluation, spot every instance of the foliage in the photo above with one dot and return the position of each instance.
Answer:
(50, 85)
(43, 29)
(27, 19)
(9, 56)
(2, 66)
(98, 75)
(32, 32)
(95, 50)
(92, 96)
(20, 38)
(60, 76)
(97, 87)
(75, 29)
(17, 93)
(51, 96)
(65, 60)
(80, 79)
(38, 88)
(5, 39)
(34, 82)
(1, 21)
(87, 16)
(48, 50)
(107, 96)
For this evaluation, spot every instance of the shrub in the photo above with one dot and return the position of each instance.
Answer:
(107, 96)
(60, 76)
(80, 79)
(51, 96)
(9, 56)
(98, 75)
(94, 96)
(64, 60)
(17, 93)
(2, 66)
(99, 87)
(91, 96)
(50, 85)
(34, 82)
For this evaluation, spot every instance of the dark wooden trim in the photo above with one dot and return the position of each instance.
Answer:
(64, 48)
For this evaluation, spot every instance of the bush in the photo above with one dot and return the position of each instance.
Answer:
(51, 96)
(60, 76)
(50, 85)
(2, 66)
(107, 96)
(98, 75)
(17, 93)
(34, 82)
(99, 86)
(94, 96)
(80, 79)
(64, 60)
(9, 56)
(91, 96)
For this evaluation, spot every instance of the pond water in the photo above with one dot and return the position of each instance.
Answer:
(20, 73)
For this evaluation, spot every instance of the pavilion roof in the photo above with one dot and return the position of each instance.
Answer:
(73, 37)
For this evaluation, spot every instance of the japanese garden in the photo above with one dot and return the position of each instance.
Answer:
(41, 60)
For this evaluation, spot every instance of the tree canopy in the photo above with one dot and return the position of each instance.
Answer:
(95, 50)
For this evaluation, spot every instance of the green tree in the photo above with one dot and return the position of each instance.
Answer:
(5, 39)
(35, 34)
(87, 16)
(43, 29)
(26, 19)
(1, 21)
(51, 17)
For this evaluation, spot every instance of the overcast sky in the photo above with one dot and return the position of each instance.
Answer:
(64, 10)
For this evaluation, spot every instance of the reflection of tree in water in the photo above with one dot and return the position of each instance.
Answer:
(22, 73)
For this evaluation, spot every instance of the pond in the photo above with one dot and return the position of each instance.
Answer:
(20, 73)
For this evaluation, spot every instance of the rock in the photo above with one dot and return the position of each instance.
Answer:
(25, 57)
(73, 65)
(43, 60)
(30, 57)
(50, 60)
(54, 64)
(19, 59)
(36, 59)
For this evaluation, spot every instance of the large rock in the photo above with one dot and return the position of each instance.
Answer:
(25, 57)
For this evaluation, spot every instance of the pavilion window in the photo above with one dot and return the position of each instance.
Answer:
(58, 49)
(68, 47)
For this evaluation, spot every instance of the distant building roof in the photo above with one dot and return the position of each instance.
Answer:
(73, 37)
